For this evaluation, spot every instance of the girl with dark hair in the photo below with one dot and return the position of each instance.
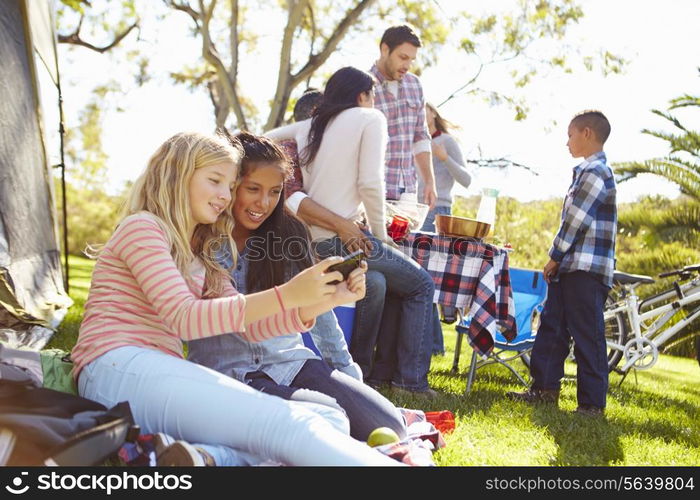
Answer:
(273, 246)
(348, 132)
(347, 88)
(342, 154)
(157, 283)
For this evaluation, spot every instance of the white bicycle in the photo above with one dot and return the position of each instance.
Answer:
(635, 329)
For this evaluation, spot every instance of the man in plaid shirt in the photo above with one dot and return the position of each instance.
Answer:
(399, 96)
(402, 355)
(580, 274)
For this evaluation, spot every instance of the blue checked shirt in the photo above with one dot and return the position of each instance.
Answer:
(586, 237)
(405, 116)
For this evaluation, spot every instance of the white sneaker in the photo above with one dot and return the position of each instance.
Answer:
(183, 454)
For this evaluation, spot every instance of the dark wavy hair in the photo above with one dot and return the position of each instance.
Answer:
(341, 93)
(307, 103)
(397, 35)
(267, 264)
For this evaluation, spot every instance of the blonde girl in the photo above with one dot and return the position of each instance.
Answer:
(156, 283)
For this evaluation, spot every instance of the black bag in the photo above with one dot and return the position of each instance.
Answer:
(41, 426)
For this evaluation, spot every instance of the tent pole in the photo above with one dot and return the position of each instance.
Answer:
(61, 130)
(66, 278)
(62, 133)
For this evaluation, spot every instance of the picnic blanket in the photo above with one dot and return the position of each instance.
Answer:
(471, 275)
(416, 449)
(422, 437)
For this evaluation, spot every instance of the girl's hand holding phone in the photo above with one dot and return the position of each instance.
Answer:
(352, 289)
(312, 285)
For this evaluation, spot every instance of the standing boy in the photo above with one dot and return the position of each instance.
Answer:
(580, 274)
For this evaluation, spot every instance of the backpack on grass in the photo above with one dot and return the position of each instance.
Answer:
(43, 426)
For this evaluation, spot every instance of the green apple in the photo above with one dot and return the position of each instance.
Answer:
(381, 436)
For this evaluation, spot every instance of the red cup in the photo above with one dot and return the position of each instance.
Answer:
(398, 229)
(444, 420)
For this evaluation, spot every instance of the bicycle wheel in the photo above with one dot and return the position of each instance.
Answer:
(616, 332)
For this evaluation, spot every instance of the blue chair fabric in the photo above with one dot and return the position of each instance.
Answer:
(346, 320)
(529, 294)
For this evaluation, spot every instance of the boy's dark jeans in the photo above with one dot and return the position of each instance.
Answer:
(574, 308)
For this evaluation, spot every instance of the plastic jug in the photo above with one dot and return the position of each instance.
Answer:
(487, 207)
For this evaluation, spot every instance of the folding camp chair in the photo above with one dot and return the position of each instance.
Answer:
(529, 294)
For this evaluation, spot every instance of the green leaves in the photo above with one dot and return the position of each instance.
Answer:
(520, 39)
(657, 221)
(76, 5)
(484, 25)
(516, 37)
(468, 45)
(682, 165)
(666, 235)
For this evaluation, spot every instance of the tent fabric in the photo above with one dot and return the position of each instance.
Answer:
(41, 23)
(29, 251)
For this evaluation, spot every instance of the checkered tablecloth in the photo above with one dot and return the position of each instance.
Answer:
(471, 275)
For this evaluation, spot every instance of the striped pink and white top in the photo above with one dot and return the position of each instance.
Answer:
(139, 297)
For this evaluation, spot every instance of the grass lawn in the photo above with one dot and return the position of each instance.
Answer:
(80, 273)
(654, 420)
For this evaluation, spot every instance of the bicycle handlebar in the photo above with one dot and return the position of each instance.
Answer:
(686, 271)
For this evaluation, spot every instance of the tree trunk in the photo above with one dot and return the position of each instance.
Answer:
(279, 103)
(218, 100)
(212, 57)
(286, 82)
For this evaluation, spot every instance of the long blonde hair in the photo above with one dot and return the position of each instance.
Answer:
(163, 190)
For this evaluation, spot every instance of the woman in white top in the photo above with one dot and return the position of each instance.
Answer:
(341, 152)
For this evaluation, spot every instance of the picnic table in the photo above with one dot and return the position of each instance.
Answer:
(471, 275)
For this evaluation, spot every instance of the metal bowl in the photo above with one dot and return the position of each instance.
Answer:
(449, 225)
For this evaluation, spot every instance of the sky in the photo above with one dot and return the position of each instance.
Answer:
(660, 40)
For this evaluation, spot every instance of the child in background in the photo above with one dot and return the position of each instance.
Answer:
(580, 273)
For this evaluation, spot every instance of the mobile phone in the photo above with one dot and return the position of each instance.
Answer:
(349, 263)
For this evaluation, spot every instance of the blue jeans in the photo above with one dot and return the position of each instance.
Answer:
(429, 226)
(438, 339)
(366, 408)
(574, 308)
(190, 402)
(429, 223)
(413, 326)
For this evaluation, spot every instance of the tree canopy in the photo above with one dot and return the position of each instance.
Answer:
(311, 31)
(681, 222)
